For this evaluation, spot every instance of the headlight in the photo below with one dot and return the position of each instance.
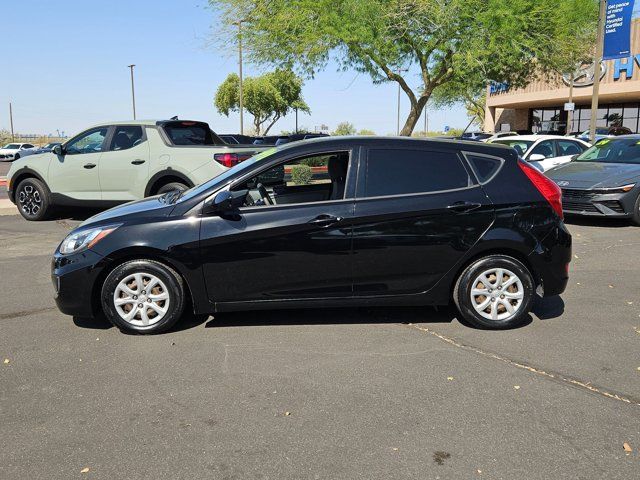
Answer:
(82, 239)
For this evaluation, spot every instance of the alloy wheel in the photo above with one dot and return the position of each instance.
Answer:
(141, 299)
(30, 200)
(497, 294)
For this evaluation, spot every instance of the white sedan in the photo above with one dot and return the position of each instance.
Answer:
(545, 151)
(13, 151)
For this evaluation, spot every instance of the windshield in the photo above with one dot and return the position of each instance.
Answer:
(520, 146)
(220, 179)
(613, 151)
(12, 146)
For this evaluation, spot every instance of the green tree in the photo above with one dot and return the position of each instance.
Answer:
(366, 131)
(465, 42)
(268, 97)
(344, 128)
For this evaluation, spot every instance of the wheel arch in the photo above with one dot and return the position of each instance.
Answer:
(19, 176)
(164, 177)
(117, 258)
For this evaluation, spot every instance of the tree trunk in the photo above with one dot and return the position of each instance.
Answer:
(414, 116)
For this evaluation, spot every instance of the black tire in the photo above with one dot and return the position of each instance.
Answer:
(467, 281)
(33, 199)
(635, 219)
(16, 157)
(169, 278)
(170, 187)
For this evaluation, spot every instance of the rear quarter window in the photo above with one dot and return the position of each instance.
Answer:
(191, 133)
(484, 167)
(401, 172)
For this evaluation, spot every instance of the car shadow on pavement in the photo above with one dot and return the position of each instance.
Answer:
(333, 316)
(99, 322)
(597, 222)
(548, 308)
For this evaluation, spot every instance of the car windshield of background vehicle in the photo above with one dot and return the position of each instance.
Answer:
(12, 146)
(613, 151)
(222, 178)
(520, 146)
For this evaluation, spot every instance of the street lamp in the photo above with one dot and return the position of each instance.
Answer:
(133, 92)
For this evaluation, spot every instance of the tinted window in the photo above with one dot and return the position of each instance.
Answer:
(191, 133)
(27, 145)
(484, 167)
(544, 148)
(396, 172)
(126, 137)
(568, 147)
(613, 151)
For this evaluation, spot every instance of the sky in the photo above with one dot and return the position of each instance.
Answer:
(65, 68)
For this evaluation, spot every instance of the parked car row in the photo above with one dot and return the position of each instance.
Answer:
(13, 151)
(236, 139)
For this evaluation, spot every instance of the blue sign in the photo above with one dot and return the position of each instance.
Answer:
(617, 29)
(446, 129)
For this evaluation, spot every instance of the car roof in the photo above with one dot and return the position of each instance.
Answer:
(539, 137)
(379, 141)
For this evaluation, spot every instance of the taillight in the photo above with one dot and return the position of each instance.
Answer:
(549, 190)
(227, 159)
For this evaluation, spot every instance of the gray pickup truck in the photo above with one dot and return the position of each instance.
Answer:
(117, 162)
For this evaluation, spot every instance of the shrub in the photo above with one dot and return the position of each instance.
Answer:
(301, 174)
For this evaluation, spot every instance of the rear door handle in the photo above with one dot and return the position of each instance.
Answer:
(137, 161)
(462, 207)
(89, 165)
(325, 220)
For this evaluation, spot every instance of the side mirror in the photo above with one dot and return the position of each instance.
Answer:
(57, 149)
(536, 157)
(573, 157)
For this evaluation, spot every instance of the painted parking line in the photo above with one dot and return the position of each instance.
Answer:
(3, 182)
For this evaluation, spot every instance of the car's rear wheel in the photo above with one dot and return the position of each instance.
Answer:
(170, 187)
(33, 199)
(495, 292)
(143, 296)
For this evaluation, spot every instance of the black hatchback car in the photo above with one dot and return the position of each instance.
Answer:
(354, 221)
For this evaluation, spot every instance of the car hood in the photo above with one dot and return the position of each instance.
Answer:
(7, 150)
(594, 174)
(146, 208)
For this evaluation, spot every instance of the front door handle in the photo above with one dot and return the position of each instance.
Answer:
(325, 220)
(89, 165)
(462, 207)
(137, 161)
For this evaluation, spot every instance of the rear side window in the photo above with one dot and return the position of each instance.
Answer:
(485, 168)
(126, 137)
(401, 172)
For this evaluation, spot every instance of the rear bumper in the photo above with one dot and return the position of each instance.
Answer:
(550, 260)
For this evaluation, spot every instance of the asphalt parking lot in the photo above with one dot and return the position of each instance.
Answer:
(336, 394)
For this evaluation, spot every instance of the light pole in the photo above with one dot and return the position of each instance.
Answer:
(11, 121)
(597, 71)
(133, 92)
(241, 96)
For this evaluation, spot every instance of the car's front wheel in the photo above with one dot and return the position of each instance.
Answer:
(170, 187)
(143, 296)
(33, 199)
(495, 292)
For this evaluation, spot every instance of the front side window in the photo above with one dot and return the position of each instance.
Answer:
(88, 142)
(126, 137)
(544, 148)
(401, 172)
(314, 178)
(27, 145)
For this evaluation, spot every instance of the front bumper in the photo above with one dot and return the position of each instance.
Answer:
(74, 277)
(598, 204)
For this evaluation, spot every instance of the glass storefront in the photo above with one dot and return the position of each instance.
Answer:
(554, 119)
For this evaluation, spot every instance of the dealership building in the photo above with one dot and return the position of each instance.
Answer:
(540, 105)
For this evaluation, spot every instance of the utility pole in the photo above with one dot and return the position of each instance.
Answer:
(11, 121)
(426, 121)
(133, 92)
(570, 112)
(241, 97)
(296, 119)
(597, 71)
